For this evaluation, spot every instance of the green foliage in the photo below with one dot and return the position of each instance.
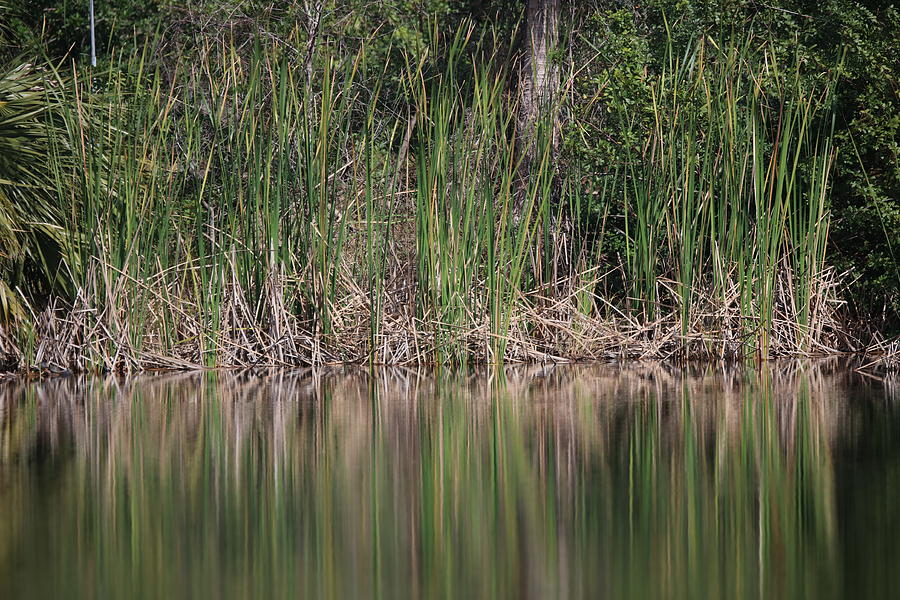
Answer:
(867, 192)
(619, 51)
(34, 147)
(616, 59)
(60, 28)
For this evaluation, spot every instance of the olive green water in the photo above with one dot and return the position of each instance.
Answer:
(642, 481)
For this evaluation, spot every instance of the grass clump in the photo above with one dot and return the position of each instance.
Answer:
(235, 210)
(728, 198)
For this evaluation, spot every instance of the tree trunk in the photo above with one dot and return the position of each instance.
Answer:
(538, 86)
(539, 75)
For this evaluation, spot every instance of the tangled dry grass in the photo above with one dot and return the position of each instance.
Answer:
(562, 322)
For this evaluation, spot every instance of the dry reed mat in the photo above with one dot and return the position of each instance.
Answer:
(541, 328)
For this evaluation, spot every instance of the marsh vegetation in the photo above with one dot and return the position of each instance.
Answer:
(283, 200)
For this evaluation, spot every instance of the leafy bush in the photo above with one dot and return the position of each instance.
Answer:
(33, 241)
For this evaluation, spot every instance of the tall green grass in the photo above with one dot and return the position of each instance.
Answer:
(478, 211)
(729, 194)
(220, 185)
(230, 211)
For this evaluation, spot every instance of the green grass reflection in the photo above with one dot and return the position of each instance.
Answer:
(641, 481)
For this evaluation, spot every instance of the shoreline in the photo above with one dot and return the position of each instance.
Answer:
(873, 361)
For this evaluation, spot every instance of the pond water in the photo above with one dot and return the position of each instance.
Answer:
(642, 480)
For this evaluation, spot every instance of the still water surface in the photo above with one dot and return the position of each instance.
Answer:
(636, 481)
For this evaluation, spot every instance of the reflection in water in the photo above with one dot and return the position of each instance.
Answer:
(635, 481)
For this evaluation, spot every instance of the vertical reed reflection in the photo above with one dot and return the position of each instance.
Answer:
(637, 481)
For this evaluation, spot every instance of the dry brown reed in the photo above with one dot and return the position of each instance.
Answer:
(541, 329)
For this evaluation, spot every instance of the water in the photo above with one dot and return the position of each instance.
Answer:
(635, 481)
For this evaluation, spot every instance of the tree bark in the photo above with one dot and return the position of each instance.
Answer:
(538, 86)
(539, 75)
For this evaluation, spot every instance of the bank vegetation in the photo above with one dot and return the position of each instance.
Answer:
(278, 202)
